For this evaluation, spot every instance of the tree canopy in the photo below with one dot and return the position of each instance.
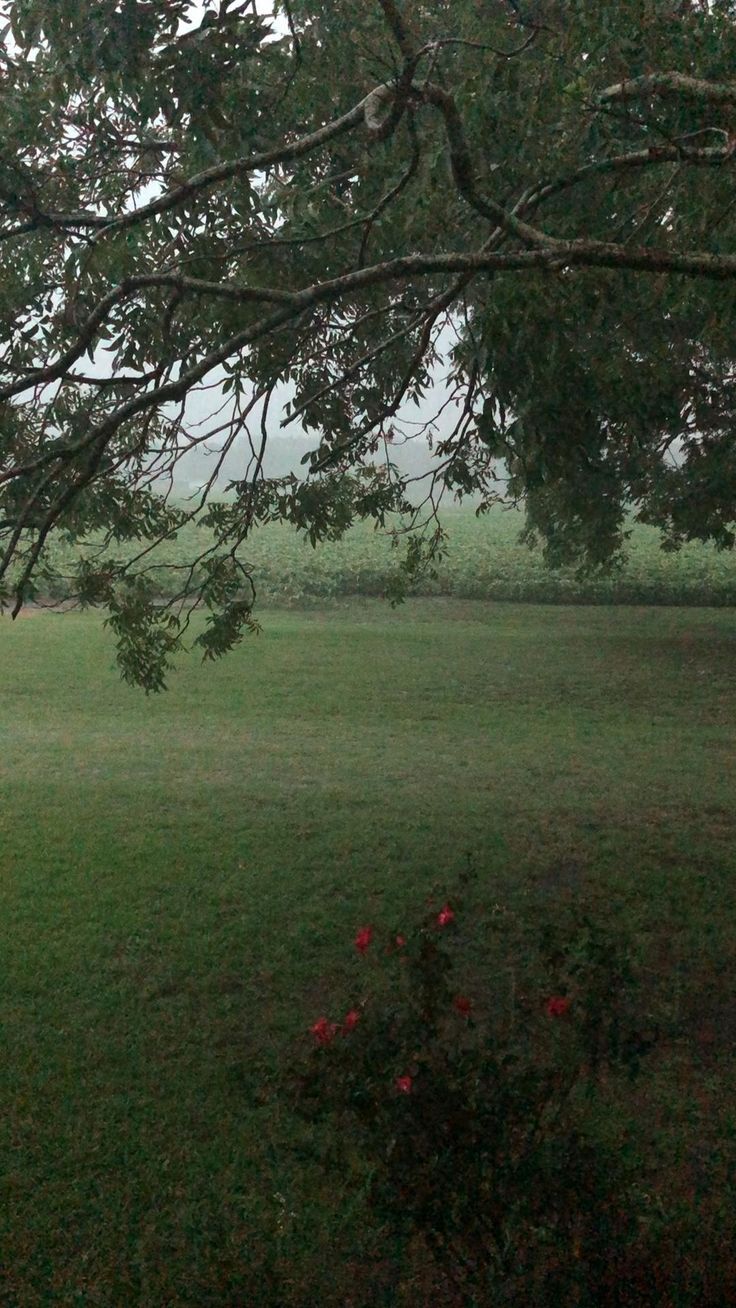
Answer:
(310, 213)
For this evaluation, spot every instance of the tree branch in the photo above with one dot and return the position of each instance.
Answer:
(669, 84)
(131, 286)
(562, 254)
(443, 41)
(401, 30)
(707, 157)
(210, 177)
(463, 172)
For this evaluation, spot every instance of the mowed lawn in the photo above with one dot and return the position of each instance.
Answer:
(181, 876)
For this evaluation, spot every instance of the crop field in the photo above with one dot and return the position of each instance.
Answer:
(484, 560)
(181, 878)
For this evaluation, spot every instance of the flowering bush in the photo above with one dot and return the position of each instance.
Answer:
(472, 1106)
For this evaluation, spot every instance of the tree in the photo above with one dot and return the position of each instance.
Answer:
(318, 203)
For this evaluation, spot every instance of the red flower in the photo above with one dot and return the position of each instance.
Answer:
(323, 1031)
(445, 915)
(351, 1020)
(404, 1084)
(400, 942)
(363, 939)
(463, 1005)
(557, 1006)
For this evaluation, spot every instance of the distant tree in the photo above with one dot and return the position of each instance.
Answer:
(319, 202)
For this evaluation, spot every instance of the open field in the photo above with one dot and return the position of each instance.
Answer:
(179, 877)
(484, 560)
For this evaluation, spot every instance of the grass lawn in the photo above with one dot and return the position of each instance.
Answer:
(179, 877)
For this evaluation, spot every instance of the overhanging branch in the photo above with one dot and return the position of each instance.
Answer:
(568, 254)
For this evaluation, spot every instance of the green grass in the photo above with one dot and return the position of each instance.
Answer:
(484, 560)
(180, 878)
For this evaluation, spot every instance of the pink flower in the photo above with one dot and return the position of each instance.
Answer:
(351, 1020)
(363, 939)
(463, 1005)
(400, 942)
(404, 1084)
(323, 1031)
(557, 1006)
(445, 915)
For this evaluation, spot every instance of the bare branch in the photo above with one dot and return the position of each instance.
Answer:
(374, 106)
(670, 84)
(443, 41)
